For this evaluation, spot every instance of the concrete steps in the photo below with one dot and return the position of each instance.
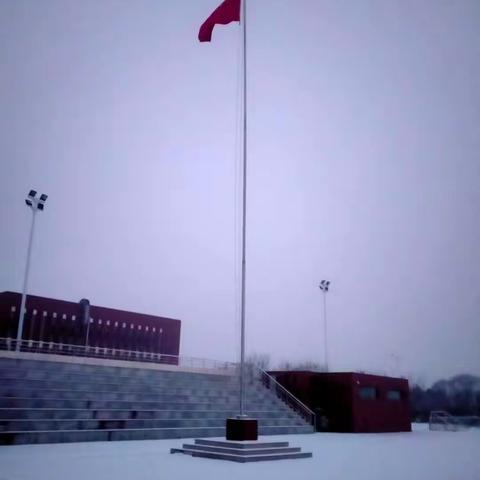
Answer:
(42, 370)
(242, 452)
(120, 384)
(219, 397)
(66, 436)
(27, 425)
(52, 402)
(125, 414)
(62, 403)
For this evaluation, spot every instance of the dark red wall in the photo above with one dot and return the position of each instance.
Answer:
(381, 414)
(338, 396)
(59, 321)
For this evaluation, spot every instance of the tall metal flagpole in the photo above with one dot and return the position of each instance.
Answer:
(244, 210)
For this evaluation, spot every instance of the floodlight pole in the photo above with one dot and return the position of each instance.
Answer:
(25, 282)
(324, 286)
(325, 327)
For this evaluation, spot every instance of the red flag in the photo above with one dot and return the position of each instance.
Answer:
(227, 12)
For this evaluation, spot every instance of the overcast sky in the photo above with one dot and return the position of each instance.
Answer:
(364, 168)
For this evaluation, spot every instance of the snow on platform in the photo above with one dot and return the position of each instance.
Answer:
(421, 455)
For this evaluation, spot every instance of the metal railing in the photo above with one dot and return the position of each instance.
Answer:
(34, 346)
(283, 394)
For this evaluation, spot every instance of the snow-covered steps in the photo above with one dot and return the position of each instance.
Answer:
(25, 425)
(126, 414)
(55, 402)
(19, 437)
(242, 452)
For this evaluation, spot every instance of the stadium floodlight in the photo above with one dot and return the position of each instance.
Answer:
(30, 198)
(324, 284)
(41, 201)
(324, 287)
(35, 205)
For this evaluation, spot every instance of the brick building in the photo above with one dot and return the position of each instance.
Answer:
(62, 322)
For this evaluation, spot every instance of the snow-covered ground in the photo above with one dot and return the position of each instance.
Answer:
(421, 455)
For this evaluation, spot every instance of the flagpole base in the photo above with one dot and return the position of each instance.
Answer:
(242, 429)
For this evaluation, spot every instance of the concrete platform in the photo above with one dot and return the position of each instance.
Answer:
(242, 452)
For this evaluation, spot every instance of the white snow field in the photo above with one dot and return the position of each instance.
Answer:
(421, 455)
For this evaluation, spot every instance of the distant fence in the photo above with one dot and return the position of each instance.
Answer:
(441, 420)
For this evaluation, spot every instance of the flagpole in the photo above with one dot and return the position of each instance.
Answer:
(244, 210)
(240, 427)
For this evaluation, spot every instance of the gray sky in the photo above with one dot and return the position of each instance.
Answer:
(364, 136)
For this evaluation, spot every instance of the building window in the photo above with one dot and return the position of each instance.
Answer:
(394, 395)
(368, 393)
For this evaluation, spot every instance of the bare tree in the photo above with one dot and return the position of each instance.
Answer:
(309, 365)
(260, 360)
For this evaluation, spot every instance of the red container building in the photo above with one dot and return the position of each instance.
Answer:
(352, 402)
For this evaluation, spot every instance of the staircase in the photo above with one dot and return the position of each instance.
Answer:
(55, 401)
(242, 452)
